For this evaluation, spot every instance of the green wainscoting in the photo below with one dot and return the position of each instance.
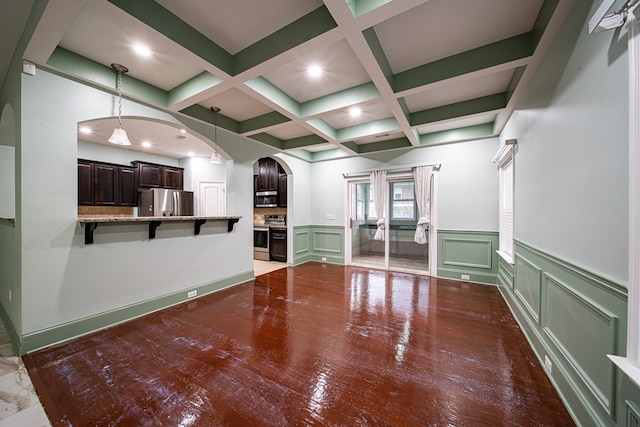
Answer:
(574, 318)
(321, 243)
(59, 333)
(470, 253)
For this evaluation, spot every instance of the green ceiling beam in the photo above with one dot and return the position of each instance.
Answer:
(322, 126)
(304, 29)
(303, 141)
(460, 109)
(376, 49)
(352, 146)
(271, 92)
(515, 79)
(93, 72)
(269, 140)
(544, 17)
(362, 93)
(166, 23)
(192, 87)
(359, 131)
(302, 154)
(199, 112)
(264, 121)
(468, 133)
(493, 54)
(389, 144)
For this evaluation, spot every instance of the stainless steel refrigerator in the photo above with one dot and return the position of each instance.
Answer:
(165, 202)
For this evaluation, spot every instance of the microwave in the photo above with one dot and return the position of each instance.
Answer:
(266, 199)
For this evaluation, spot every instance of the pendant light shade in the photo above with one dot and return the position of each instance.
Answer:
(215, 158)
(119, 135)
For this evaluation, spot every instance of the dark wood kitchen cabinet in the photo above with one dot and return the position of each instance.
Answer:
(128, 185)
(282, 188)
(85, 183)
(267, 175)
(172, 178)
(151, 175)
(278, 244)
(106, 184)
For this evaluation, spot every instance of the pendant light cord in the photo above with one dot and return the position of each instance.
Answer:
(120, 99)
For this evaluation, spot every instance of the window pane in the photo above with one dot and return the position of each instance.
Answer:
(403, 205)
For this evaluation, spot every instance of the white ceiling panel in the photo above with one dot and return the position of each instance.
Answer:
(96, 35)
(237, 105)
(236, 24)
(441, 28)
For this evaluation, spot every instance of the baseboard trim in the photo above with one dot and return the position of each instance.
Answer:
(64, 332)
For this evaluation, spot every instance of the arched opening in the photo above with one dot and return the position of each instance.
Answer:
(159, 143)
(271, 214)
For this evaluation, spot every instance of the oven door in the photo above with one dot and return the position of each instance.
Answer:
(261, 243)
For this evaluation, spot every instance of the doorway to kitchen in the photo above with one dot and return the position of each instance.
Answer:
(398, 251)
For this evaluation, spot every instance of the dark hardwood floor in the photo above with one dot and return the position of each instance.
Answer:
(305, 346)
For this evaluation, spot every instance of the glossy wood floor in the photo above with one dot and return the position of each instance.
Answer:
(305, 346)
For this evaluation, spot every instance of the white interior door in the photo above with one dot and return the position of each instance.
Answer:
(212, 199)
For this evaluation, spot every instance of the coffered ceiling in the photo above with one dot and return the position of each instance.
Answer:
(421, 72)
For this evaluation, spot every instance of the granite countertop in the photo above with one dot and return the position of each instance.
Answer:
(153, 218)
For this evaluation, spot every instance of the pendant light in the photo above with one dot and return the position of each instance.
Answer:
(119, 135)
(215, 156)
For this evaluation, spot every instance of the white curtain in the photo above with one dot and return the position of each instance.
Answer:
(379, 186)
(422, 183)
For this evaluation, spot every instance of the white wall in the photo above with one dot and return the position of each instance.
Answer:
(467, 184)
(571, 165)
(64, 280)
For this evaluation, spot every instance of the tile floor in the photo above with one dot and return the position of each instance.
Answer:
(19, 404)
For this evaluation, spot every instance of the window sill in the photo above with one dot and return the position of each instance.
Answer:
(625, 365)
(508, 258)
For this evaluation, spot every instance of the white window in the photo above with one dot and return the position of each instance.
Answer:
(505, 161)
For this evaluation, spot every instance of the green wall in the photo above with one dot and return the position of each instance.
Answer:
(318, 243)
(468, 253)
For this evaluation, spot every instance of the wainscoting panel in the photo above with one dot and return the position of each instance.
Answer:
(468, 253)
(576, 325)
(573, 318)
(318, 243)
(527, 285)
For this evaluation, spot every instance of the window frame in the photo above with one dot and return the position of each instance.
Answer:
(505, 159)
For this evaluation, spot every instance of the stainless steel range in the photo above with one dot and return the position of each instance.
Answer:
(261, 235)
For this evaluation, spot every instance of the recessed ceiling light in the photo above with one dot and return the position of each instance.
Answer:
(190, 154)
(85, 130)
(314, 71)
(183, 130)
(146, 144)
(355, 112)
(142, 50)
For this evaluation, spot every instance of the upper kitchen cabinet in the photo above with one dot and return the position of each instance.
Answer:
(106, 184)
(267, 175)
(151, 175)
(85, 183)
(282, 188)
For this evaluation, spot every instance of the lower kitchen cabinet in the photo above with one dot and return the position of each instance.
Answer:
(278, 245)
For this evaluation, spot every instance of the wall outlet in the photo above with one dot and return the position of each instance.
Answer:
(465, 277)
(548, 364)
(331, 216)
(324, 259)
(192, 294)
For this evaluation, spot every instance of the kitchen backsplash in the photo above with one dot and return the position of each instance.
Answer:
(93, 211)
(259, 213)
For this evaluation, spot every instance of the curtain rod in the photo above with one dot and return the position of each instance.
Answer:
(436, 168)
